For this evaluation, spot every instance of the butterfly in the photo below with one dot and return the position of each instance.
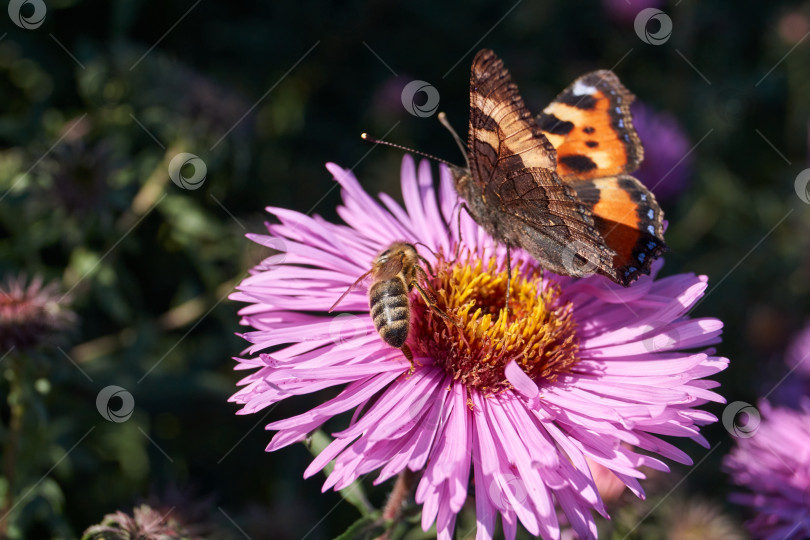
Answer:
(558, 185)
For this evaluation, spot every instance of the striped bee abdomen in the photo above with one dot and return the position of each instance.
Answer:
(390, 310)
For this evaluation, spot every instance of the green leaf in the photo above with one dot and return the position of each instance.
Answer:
(354, 494)
(367, 527)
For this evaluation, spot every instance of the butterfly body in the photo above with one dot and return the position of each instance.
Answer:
(557, 185)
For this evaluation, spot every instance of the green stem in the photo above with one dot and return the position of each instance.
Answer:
(15, 402)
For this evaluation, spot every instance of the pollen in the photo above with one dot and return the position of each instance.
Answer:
(539, 332)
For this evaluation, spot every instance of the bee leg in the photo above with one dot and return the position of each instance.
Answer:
(409, 355)
(430, 300)
(429, 267)
(427, 295)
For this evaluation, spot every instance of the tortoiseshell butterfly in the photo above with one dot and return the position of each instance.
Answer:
(558, 185)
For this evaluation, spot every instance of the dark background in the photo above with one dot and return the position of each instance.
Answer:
(85, 144)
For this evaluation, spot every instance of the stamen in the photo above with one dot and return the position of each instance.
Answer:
(539, 332)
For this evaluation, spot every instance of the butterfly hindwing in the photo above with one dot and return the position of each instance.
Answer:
(550, 224)
(630, 221)
(590, 126)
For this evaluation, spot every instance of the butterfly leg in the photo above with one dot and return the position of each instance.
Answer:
(508, 279)
(462, 206)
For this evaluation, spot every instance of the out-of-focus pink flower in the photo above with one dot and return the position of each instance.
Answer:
(772, 466)
(667, 166)
(625, 11)
(609, 485)
(798, 353)
(32, 314)
(145, 523)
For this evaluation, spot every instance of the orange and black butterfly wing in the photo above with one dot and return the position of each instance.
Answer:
(629, 219)
(590, 126)
(514, 192)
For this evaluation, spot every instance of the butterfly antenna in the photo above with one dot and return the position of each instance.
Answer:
(446, 123)
(372, 140)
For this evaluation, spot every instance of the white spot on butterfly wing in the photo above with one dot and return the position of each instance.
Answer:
(582, 89)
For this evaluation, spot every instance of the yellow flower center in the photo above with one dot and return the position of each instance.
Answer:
(539, 332)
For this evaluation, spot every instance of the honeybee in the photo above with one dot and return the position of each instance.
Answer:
(395, 272)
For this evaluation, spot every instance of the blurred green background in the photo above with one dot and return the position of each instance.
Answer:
(99, 98)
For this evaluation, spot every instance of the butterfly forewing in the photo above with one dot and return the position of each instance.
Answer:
(502, 130)
(591, 127)
(514, 191)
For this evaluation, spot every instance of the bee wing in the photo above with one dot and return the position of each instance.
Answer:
(349, 288)
(389, 269)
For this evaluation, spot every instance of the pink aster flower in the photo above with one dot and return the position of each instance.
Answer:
(579, 371)
(773, 466)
